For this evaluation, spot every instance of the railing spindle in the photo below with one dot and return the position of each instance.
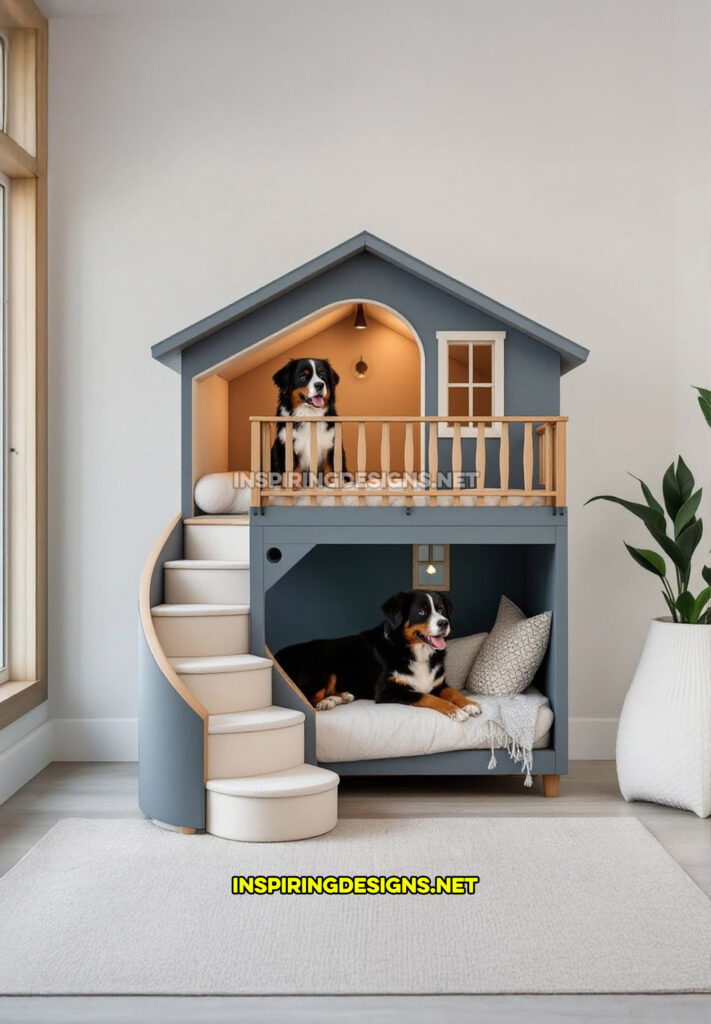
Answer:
(560, 446)
(384, 459)
(313, 459)
(338, 459)
(432, 463)
(457, 462)
(361, 459)
(409, 460)
(256, 498)
(480, 460)
(504, 463)
(527, 461)
(289, 461)
(548, 448)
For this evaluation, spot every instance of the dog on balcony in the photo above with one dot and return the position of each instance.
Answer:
(401, 661)
(307, 388)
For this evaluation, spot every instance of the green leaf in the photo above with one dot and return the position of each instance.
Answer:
(705, 403)
(672, 495)
(685, 604)
(684, 479)
(689, 538)
(648, 496)
(650, 560)
(669, 547)
(706, 573)
(687, 512)
(651, 518)
(700, 603)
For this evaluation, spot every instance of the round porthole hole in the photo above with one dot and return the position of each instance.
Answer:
(274, 555)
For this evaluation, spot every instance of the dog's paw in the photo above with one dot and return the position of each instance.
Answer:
(459, 715)
(346, 698)
(472, 710)
(327, 704)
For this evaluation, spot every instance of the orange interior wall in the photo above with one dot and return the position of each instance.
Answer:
(392, 388)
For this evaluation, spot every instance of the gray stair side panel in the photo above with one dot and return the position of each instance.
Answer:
(170, 750)
(171, 741)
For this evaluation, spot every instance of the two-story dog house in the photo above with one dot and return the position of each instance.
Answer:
(449, 416)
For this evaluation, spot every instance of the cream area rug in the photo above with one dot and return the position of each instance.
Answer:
(562, 905)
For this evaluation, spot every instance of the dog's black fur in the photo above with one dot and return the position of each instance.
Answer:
(307, 387)
(401, 661)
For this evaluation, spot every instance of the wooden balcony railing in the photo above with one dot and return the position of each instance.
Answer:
(455, 468)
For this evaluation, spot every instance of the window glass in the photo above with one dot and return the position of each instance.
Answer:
(458, 401)
(481, 362)
(459, 364)
(482, 401)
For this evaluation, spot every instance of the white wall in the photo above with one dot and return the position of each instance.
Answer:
(552, 153)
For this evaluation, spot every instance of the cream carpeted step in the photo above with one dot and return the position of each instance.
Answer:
(237, 682)
(200, 581)
(254, 742)
(199, 630)
(278, 807)
(219, 537)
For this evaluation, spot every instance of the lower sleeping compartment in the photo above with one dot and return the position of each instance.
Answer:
(337, 589)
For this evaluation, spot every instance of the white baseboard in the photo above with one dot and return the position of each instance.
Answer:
(95, 739)
(116, 739)
(592, 739)
(25, 759)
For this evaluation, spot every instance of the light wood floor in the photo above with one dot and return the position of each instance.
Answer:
(110, 791)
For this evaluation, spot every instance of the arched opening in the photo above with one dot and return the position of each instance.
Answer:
(381, 370)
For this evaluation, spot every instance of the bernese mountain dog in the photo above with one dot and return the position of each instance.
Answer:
(401, 661)
(307, 387)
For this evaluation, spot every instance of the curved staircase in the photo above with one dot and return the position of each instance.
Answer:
(258, 788)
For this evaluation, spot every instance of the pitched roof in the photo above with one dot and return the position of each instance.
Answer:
(168, 350)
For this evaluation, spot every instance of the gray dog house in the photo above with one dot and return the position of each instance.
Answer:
(449, 415)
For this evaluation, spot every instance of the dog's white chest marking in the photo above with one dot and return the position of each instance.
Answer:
(421, 677)
(302, 438)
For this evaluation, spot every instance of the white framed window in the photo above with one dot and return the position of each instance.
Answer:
(470, 378)
(430, 566)
(23, 162)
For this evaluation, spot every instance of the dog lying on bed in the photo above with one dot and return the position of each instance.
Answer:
(307, 387)
(401, 661)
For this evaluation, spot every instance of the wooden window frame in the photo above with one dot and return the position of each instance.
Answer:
(23, 159)
(417, 562)
(496, 339)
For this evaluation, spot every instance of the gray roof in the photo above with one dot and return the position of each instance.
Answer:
(167, 351)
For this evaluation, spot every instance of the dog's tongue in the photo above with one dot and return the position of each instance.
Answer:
(317, 401)
(438, 642)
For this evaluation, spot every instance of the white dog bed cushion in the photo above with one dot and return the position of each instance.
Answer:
(362, 731)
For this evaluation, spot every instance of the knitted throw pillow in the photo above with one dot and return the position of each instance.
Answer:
(511, 654)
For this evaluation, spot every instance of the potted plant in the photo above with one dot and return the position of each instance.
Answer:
(664, 732)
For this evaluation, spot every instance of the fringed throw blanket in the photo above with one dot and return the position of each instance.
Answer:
(516, 718)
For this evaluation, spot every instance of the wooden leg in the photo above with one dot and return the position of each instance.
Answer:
(551, 784)
(187, 831)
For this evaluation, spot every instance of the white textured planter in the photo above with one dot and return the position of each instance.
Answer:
(664, 735)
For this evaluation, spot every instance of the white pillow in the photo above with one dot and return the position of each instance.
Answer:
(217, 494)
(512, 652)
(459, 658)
